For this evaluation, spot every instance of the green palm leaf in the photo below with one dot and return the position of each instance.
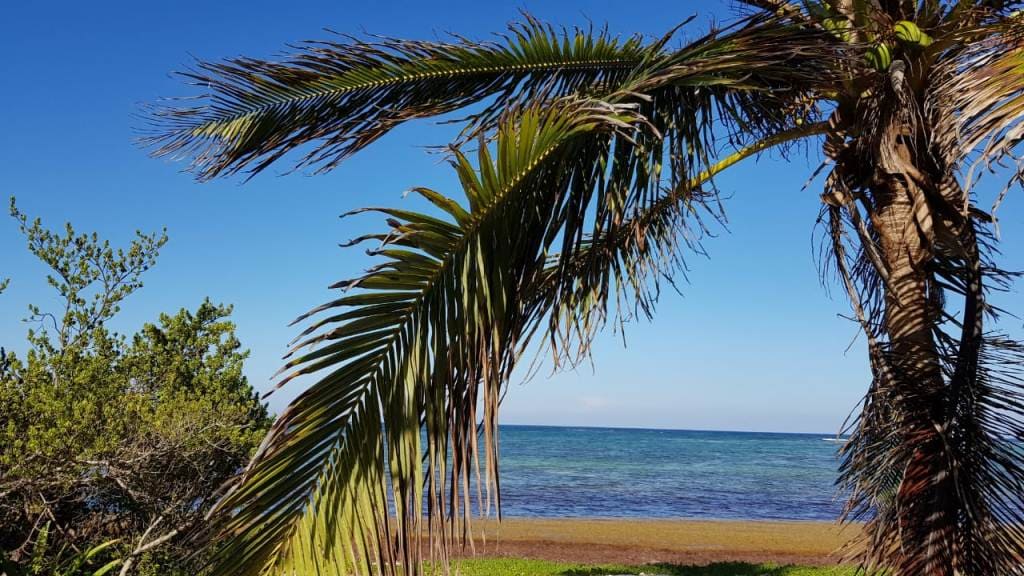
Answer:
(343, 96)
(408, 348)
(432, 332)
(624, 264)
(346, 95)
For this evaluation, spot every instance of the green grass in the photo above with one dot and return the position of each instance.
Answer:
(521, 567)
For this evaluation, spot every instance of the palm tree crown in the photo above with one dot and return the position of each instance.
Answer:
(591, 178)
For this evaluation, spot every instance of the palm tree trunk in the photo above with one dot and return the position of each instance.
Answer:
(925, 499)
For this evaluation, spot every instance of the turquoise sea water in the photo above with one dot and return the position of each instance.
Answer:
(617, 472)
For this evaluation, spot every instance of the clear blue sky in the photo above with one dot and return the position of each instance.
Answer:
(755, 343)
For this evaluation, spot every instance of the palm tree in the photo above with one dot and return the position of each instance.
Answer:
(587, 165)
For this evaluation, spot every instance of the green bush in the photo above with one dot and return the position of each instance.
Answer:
(114, 447)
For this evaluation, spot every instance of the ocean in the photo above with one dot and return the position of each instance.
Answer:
(549, 471)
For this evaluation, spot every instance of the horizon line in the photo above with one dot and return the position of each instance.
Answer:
(665, 429)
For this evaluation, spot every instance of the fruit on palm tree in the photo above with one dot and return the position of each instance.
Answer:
(592, 178)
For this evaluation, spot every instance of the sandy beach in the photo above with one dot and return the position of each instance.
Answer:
(641, 541)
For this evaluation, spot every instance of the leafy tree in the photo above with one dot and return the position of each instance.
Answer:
(105, 439)
(590, 181)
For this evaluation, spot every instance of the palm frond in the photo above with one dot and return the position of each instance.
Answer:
(970, 506)
(443, 318)
(782, 8)
(433, 332)
(345, 94)
(625, 264)
(980, 96)
(340, 97)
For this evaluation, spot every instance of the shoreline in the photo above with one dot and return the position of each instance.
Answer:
(653, 540)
